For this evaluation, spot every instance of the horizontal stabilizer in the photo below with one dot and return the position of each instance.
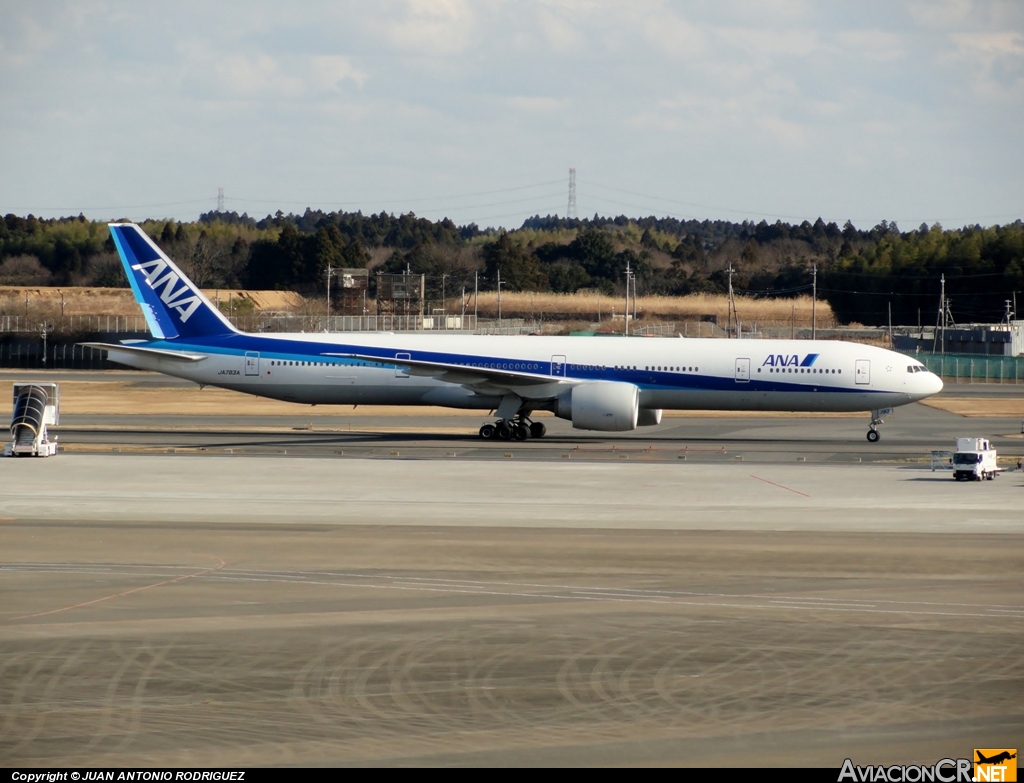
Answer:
(156, 353)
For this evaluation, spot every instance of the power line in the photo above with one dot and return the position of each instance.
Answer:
(570, 210)
(690, 203)
(493, 203)
(1015, 214)
(405, 200)
(117, 206)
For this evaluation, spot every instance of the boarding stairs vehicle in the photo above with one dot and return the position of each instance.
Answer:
(36, 406)
(974, 460)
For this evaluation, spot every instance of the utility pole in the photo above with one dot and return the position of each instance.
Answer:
(940, 318)
(329, 270)
(405, 287)
(570, 210)
(634, 298)
(476, 298)
(814, 304)
(625, 312)
(890, 325)
(732, 307)
(499, 298)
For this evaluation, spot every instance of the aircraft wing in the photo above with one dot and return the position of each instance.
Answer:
(178, 356)
(460, 374)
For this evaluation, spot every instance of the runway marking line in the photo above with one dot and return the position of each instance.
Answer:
(780, 486)
(126, 592)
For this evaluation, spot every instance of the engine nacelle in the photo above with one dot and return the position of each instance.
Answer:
(648, 417)
(607, 406)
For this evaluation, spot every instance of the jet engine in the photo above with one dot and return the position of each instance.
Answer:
(607, 406)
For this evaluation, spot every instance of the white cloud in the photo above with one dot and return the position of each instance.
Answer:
(250, 75)
(535, 103)
(985, 48)
(369, 100)
(877, 45)
(559, 28)
(946, 14)
(436, 27)
(674, 35)
(330, 71)
(25, 41)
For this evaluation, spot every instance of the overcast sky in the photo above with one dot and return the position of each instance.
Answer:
(906, 111)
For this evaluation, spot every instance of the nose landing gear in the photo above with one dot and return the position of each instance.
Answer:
(873, 434)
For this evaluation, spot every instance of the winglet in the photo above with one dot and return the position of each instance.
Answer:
(172, 305)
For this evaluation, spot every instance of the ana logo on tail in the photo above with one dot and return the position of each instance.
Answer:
(182, 299)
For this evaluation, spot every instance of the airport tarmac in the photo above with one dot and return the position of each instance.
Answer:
(146, 412)
(617, 606)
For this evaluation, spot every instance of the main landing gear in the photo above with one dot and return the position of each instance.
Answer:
(517, 428)
(873, 434)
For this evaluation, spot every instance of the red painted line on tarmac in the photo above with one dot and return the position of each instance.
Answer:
(126, 592)
(780, 486)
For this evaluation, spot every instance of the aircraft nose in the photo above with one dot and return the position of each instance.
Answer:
(934, 384)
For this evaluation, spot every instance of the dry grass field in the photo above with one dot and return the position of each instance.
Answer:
(598, 307)
(46, 302)
(585, 307)
(969, 406)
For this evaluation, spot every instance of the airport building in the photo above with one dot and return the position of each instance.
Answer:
(1003, 339)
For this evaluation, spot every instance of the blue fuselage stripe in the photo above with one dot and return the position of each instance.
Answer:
(300, 351)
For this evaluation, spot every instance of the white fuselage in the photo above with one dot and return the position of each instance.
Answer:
(671, 373)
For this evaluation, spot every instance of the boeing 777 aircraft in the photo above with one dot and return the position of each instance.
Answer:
(600, 384)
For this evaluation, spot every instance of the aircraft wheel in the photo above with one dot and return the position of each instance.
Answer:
(873, 436)
(522, 432)
(538, 430)
(504, 431)
(487, 431)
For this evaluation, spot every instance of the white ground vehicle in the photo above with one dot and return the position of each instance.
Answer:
(974, 460)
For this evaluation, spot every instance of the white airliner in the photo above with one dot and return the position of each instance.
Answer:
(600, 383)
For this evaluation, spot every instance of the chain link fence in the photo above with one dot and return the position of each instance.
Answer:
(973, 368)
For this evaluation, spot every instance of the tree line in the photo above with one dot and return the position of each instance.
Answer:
(862, 273)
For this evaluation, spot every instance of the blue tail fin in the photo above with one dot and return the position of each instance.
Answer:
(172, 305)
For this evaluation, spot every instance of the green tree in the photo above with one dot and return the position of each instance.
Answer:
(520, 269)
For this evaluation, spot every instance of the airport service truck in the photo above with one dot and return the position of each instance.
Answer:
(974, 460)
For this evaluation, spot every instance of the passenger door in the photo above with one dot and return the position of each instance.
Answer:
(742, 371)
(862, 371)
(252, 363)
